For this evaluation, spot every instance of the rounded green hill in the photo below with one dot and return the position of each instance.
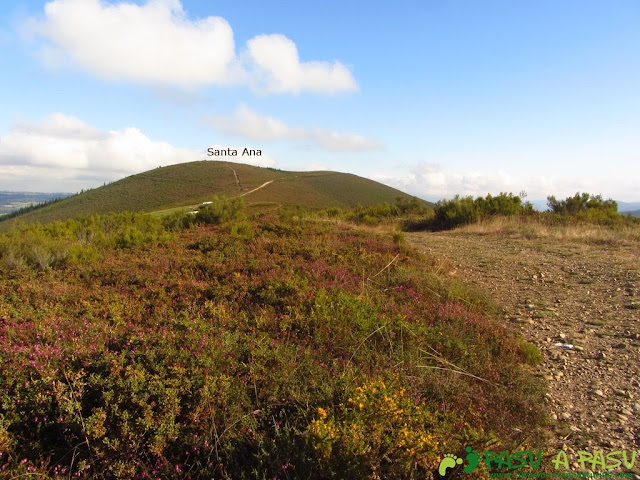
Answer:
(189, 184)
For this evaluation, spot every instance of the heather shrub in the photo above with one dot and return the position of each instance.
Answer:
(251, 349)
(59, 244)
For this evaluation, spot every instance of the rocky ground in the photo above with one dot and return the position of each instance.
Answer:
(580, 304)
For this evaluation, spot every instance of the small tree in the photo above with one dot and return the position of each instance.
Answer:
(503, 204)
(581, 202)
(455, 212)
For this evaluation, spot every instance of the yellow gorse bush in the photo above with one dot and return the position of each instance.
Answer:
(380, 429)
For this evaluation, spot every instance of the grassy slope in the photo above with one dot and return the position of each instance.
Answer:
(191, 183)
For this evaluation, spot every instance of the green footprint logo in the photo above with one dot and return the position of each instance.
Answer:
(473, 458)
(449, 461)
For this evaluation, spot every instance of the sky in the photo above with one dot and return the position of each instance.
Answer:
(434, 97)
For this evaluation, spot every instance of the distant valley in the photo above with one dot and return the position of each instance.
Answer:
(12, 201)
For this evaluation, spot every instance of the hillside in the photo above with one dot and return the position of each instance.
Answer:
(624, 207)
(192, 183)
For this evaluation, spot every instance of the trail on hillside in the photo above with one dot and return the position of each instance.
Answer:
(257, 188)
(235, 174)
(565, 292)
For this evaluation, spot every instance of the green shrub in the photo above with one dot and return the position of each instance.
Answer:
(455, 212)
(460, 211)
(503, 204)
(59, 244)
(292, 214)
(220, 210)
(241, 229)
(399, 239)
(580, 203)
(374, 214)
(178, 221)
(369, 220)
(418, 223)
(530, 353)
(335, 212)
(588, 208)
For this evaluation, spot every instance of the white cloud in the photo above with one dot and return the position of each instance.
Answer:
(152, 43)
(342, 142)
(72, 150)
(433, 182)
(246, 123)
(157, 44)
(278, 69)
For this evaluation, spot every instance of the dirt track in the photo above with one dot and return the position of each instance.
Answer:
(570, 293)
(257, 188)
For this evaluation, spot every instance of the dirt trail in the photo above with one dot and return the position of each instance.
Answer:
(257, 188)
(235, 174)
(571, 293)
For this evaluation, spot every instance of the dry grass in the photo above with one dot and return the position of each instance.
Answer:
(539, 227)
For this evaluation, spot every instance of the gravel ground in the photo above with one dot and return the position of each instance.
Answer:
(580, 304)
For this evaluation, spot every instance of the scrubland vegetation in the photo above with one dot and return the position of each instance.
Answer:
(583, 217)
(212, 345)
(382, 213)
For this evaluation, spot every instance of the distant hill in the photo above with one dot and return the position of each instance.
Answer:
(629, 207)
(539, 205)
(12, 201)
(189, 184)
(623, 207)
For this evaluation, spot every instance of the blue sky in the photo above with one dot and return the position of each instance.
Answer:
(436, 98)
